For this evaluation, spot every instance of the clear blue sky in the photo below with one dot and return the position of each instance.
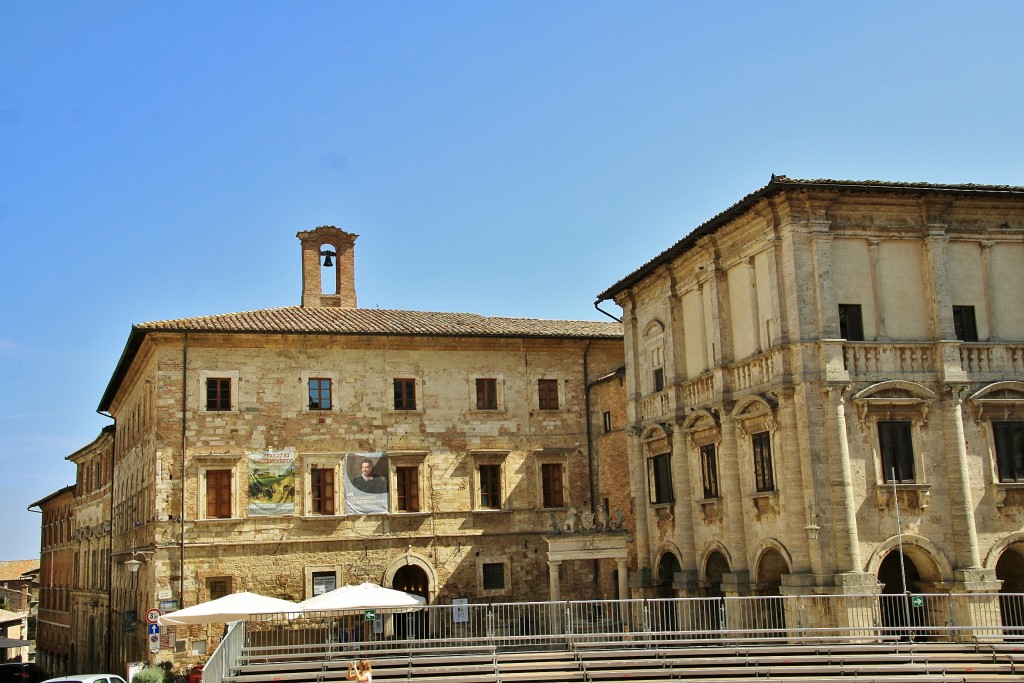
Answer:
(503, 158)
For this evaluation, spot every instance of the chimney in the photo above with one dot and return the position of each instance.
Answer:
(335, 249)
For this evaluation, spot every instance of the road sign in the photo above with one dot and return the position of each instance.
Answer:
(369, 615)
(154, 629)
(154, 643)
(152, 615)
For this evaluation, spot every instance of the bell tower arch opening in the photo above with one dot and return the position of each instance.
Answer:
(328, 268)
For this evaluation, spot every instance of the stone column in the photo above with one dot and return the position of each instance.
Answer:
(755, 313)
(848, 539)
(990, 288)
(965, 542)
(554, 585)
(876, 286)
(731, 491)
(623, 570)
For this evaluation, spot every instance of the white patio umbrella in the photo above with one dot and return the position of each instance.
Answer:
(363, 596)
(234, 607)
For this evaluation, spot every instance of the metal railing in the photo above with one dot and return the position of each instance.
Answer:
(218, 667)
(987, 617)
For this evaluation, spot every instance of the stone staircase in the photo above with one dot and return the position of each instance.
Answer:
(648, 662)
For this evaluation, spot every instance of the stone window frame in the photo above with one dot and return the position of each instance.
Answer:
(757, 415)
(310, 569)
(226, 461)
(208, 582)
(499, 393)
(652, 344)
(333, 461)
(389, 392)
(656, 443)
(998, 402)
(704, 428)
(561, 397)
(506, 562)
(232, 375)
(897, 400)
(304, 378)
(488, 457)
(551, 457)
(399, 459)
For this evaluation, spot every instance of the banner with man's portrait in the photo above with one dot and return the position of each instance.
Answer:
(272, 483)
(366, 483)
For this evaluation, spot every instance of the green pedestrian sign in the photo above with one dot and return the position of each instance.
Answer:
(369, 615)
(917, 601)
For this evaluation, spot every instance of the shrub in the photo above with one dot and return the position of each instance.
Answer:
(149, 675)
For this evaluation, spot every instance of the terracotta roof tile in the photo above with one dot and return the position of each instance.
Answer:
(15, 569)
(296, 319)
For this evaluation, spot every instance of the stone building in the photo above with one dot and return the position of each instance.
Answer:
(53, 623)
(291, 450)
(818, 361)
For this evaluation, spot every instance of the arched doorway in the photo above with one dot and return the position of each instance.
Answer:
(709, 615)
(665, 618)
(411, 579)
(1010, 570)
(770, 568)
(899, 611)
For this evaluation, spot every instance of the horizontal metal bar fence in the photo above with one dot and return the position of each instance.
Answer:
(492, 627)
(218, 666)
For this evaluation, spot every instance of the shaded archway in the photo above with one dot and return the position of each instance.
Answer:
(411, 579)
(709, 615)
(665, 617)
(1010, 570)
(900, 612)
(770, 568)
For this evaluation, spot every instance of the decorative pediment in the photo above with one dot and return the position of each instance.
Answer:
(999, 401)
(702, 427)
(657, 440)
(653, 329)
(895, 399)
(755, 414)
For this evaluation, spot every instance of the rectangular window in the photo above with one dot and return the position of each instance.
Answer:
(547, 393)
(897, 449)
(319, 393)
(218, 394)
(764, 476)
(405, 394)
(494, 576)
(324, 582)
(407, 484)
(321, 485)
(659, 379)
(964, 325)
(1009, 438)
(551, 481)
(606, 418)
(490, 487)
(218, 494)
(486, 394)
(218, 588)
(659, 478)
(709, 470)
(851, 326)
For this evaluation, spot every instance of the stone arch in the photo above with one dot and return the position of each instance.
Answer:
(653, 328)
(771, 561)
(1000, 547)
(931, 562)
(412, 559)
(708, 566)
(753, 406)
(1010, 387)
(896, 388)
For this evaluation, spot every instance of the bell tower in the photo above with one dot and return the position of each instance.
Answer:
(336, 248)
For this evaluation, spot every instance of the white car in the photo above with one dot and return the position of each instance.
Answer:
(87, 678)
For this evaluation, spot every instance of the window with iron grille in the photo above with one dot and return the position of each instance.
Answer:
(964, 324)
(319, 393)
(486, 394)
(709, 470)
(321, 485)
(659, 478)
(551, 481)
(218, 494)
(764, 476)
(896, 446)
(407, 485)
(218, 394)
(606, 417)
(851, 326)
(405, 394)
(494, 576)
(218, 588)
(1009, 438)
(547, 393)
(490, 487)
